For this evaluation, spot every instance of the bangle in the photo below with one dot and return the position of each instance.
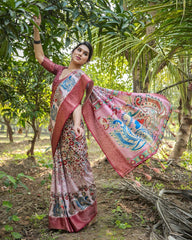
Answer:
(37, 42)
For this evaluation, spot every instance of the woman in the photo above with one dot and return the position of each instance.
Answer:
(127, 126)
(73, 197)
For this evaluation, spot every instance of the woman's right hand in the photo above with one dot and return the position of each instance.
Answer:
(79, 131)
(37, 20)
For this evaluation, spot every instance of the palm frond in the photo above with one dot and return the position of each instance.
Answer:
(175, 221)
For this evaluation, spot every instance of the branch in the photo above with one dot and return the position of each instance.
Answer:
(2, 122)
(164, 63)
(175, 84)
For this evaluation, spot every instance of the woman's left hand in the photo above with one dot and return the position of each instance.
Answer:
(79, 131)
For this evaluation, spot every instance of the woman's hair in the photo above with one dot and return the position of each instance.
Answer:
(87, 44)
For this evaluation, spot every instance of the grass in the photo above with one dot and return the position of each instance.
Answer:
(114, 221)
(20, 137)
(18, 149)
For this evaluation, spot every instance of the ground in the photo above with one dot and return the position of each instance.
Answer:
(121, 215)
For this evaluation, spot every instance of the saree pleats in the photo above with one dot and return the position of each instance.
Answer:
(73, 192)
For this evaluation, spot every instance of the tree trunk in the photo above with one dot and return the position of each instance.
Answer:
(26, 131)
(182, 137)
(38, 132)
(190, 139)
(137, 79)
(9, 129)
(185, 125)
(30, 152)
(141, 75)
(149, 55)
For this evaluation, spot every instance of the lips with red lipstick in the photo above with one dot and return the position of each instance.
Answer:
(78, 58)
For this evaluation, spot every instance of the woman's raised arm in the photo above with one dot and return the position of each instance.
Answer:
(39, 54)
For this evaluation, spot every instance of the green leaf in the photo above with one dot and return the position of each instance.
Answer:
(11, 179)
(23, 185)
(40, 217)
(11, 3)
(40, 5)
(89, 34)
(67, 42)
(4, 48)
(8, 228)
(104, 3)
(21, 175)
(50, 8)
(21, 9)
(35, 10)
(15, 218)
(7, 204)
(119, 6)
(2, 174)
(75, 13)
(18, 3)
(29, 177)
(16, 235)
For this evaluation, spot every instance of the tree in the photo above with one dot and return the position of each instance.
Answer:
(15, 17)
(6, 118)
(148, 53)
(33, 91)
(25, 94)
(151, 35)
(7, 96)
(173, 34)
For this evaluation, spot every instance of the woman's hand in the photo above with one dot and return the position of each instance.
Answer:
(79, 131)
(37, 20)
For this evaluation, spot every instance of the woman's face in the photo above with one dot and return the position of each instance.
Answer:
(80, 55)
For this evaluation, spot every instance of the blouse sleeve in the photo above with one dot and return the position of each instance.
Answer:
(51, 66)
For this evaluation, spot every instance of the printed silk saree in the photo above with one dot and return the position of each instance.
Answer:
(127, 126)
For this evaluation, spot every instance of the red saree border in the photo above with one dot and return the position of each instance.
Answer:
(72, 100)
(76, 222)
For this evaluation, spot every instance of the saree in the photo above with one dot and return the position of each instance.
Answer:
(73, 193)
(128, 127)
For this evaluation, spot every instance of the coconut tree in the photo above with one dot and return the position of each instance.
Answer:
(167, 45)
(172, 35)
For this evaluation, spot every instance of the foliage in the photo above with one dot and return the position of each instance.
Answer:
(37, 218)
(121, 218)
(187, 160)
(25, 93)
(15, 17)
(134, 40)
(113, 76)
(12, 182)
(31, 86)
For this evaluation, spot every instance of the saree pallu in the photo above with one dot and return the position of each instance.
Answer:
(73, 192)
(128, 127)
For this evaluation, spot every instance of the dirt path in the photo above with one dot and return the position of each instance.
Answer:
(121, 215)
